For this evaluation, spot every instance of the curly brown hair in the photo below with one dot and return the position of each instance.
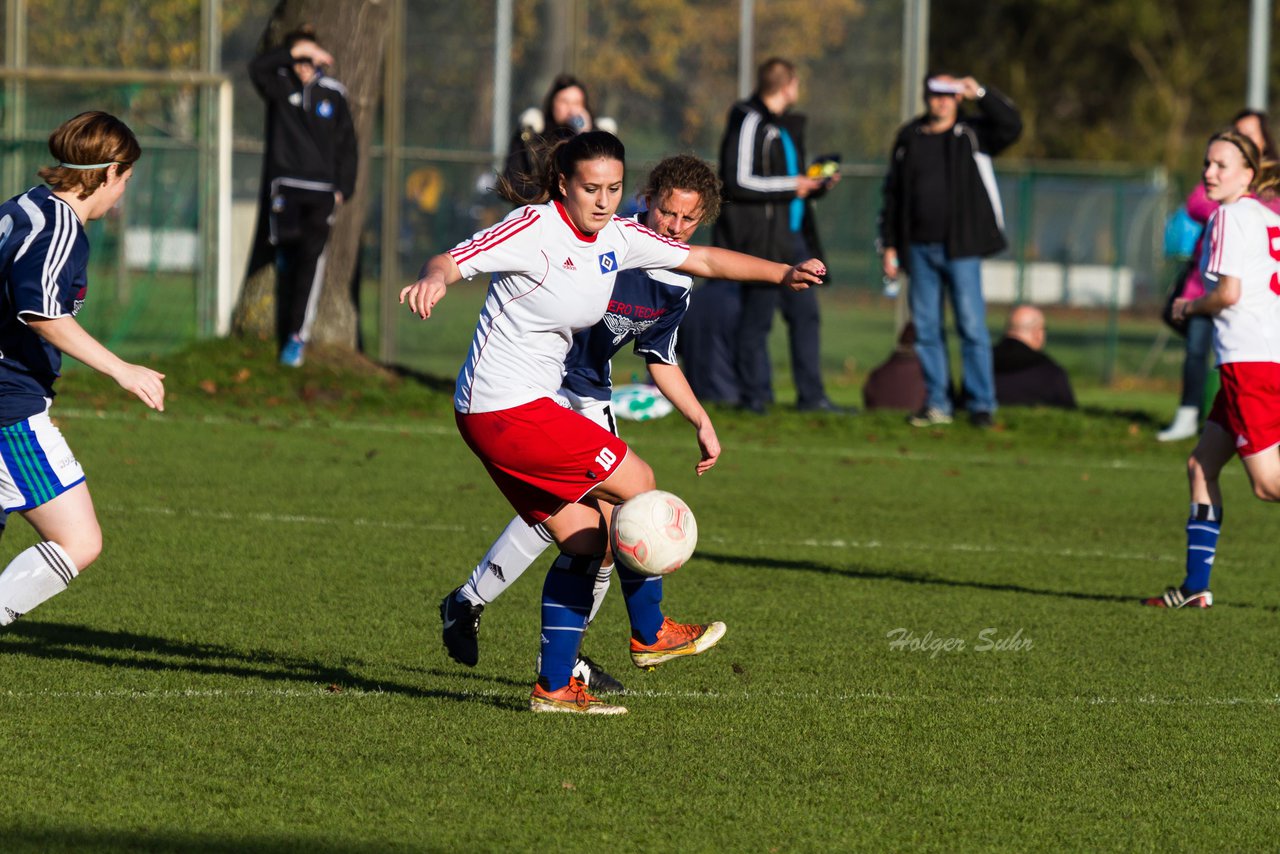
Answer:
(684, 172)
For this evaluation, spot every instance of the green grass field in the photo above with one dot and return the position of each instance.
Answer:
(254, 663)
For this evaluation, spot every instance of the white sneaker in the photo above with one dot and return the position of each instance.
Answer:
(1186, 423)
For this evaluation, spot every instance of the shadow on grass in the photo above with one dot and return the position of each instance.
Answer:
(422, 378)
(935, 580)
(68, 642)
(101, 841)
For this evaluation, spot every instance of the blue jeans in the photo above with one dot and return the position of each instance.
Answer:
(1195, 364)
(933, 274)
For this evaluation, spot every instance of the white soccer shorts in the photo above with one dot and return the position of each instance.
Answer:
(36, 465)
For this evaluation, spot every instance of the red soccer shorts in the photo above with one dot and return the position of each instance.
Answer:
(1248, 405)
(542, 455)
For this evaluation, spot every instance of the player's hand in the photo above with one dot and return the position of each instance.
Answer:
(710, 446)
(305, 48)
(423, 295)
(1180, 309)
(146, 384)
(805, 274)
(971, 87)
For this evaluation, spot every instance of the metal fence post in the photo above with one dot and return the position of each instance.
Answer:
(1117, 259)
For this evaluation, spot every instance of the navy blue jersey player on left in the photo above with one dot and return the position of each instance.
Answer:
(644, 312)
(44, 255)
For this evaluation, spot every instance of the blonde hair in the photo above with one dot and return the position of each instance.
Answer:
(1266, 173)
(89, 139)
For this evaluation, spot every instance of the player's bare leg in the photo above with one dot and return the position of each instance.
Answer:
(1204, 523)
(1264, 473)
(71, 539)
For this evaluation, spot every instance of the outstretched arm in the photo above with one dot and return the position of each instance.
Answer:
(70, 337)
(436, 275)
(671, 381)
(711, 262)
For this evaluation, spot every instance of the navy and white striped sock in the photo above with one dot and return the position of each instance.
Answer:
(1203, 529)
(35, 575)
(643, 594)
(566, 603)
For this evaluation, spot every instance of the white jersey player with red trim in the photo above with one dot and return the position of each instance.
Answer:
(1244, 243)
(550, 281)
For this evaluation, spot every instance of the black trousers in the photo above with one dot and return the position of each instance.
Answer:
(800, 312)
(300, 223)
(755, 373)
(708, 341)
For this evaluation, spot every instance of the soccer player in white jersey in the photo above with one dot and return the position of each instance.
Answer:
(44, 255)
(645, 311)
(1241, 269)
(553, 264)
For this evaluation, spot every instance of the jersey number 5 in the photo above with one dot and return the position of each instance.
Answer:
(1273, 243)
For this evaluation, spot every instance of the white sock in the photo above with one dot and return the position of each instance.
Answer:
(599, 590)
(32, 577)
(511, 554)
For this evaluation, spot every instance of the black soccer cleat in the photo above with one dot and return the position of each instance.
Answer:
(1180, 597)
(595, 677)
(460, 626)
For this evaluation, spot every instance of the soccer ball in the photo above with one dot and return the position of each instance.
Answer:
(654, 533)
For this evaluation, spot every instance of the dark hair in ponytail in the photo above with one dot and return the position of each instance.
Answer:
(561, 161)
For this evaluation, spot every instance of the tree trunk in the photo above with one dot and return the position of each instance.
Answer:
(355, 32)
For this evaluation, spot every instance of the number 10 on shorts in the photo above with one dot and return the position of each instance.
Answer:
(606, 458)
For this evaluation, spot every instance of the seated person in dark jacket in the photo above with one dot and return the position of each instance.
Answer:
(898, 382)
(1025, 376)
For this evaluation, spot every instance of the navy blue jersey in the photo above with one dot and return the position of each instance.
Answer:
(646, 307)
(44, 255)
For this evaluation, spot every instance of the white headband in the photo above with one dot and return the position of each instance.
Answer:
(90, 166)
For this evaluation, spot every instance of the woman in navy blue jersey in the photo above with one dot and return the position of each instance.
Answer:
(44, 255)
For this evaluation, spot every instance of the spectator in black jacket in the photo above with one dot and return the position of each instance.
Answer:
(766, 213)
(566, 111)
(311, 169)
(1025, 375)
(941, 215)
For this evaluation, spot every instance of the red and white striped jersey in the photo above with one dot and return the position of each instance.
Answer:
(549, 280)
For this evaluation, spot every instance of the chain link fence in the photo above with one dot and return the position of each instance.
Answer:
(1082, 237)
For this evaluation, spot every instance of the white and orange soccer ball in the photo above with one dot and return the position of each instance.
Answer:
(654, 533)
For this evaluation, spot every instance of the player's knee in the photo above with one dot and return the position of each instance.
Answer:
(1198, 471)
(1267, 491)
(644, 476)
(84, 547)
